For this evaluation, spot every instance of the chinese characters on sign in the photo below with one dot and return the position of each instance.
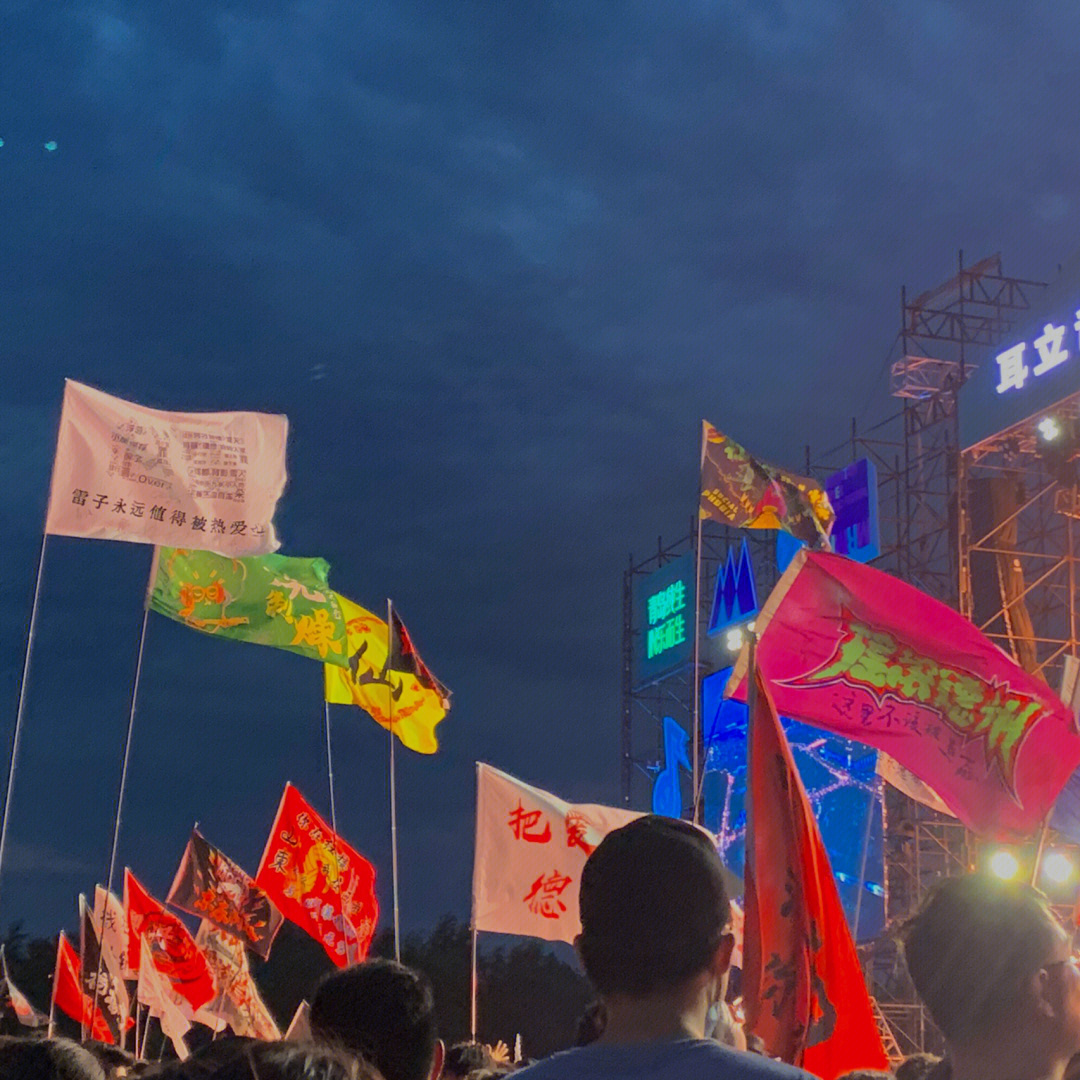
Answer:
(667, 624)
(1050, 351)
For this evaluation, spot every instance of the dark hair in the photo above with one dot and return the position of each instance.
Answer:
(590, 1024)
(653, 906)
(465, 1057)
(915, 1066)
(971, 946)
(46, 1059)
(381, 1010)
(293, 1061)
(109, 1057)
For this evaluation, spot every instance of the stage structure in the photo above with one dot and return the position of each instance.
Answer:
(977, 498)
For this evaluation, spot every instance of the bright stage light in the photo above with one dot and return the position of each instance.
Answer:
(734, 640)
(1049, 428)
(1057, 867)
(1005, 865)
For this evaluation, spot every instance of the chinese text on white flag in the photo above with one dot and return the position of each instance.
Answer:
(208, 481)
(530, 850)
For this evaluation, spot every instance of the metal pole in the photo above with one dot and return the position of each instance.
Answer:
(21, 708)
(473, 985)
(877, 790)
(697, 678)
(330, 768)
(393, 777)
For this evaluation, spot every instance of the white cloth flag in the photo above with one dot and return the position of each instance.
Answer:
(530, 850)
(25, 1013)
(209, 481)
(109, 916)
(156, 993)
(238, 1003)
(909, 784)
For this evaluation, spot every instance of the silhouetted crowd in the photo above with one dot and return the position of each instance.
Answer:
(988, 958)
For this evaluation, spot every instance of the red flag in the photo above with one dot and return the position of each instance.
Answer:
(863, 654)
(176, 956)
(68, 994)
(318, 881)
(802, 984)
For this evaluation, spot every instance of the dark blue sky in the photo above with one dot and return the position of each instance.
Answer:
(495, 261)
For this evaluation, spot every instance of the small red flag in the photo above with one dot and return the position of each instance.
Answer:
(318, 881)
(176, 956)
(68, 994)
(802, 984)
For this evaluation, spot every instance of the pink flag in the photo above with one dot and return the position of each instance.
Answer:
(860, 653)
(530, 851)
(208, 481)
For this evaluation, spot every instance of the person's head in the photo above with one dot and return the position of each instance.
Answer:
(293, 1061)
(116, 1062)
(46, 1059)
(990, 960)
(915, 1066)
(654, 913)
(465, 1057)
(383, 1011)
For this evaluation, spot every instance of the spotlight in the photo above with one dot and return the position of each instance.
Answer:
(1057, 867)
(1005, 865)
(1049, 429)
(734, 640)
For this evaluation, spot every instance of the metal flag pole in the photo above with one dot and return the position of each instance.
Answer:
(875, 793)
(393, 776)
(52, 995)
(695, 779)
(21, 708)
(330, 767)
(473, 980)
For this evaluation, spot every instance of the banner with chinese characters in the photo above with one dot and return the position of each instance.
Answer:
(277, 600)
(318, 882)
(530, 850)
(855, 651)
(201, 480)
(238, 1003)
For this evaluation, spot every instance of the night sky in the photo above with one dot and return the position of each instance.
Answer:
(495, 261)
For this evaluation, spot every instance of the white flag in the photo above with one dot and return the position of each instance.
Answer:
(109, 916)
(238, 1003)
(300, 1026)
(156, 993)
(530, 850)
(890, 770)
(25, 1013)
(209, 481)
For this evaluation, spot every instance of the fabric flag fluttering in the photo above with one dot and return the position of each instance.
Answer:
(161, 1000)
(275, 600)
(201, 480)
(402, 692)
(101, 976)
(299, 1029)
(803, 987)
(109, 915)
(238, 1003)
(318, 881)
(740, 490)
(175, 953)
(863, 654)
(531, 847)
(69, 997)
(210, 885)
(14, 1002)
(905, 781)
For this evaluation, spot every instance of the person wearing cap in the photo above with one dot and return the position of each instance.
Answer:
(656, 945)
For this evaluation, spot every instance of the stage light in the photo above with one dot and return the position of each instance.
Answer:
(734, 640)
(1005, 865)
(1057, 867)
(1049, 429)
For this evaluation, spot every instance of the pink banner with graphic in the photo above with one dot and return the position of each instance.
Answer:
(861, 653)
(205, 481)
(530, 850)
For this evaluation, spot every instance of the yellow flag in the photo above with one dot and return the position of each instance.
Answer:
(402, 694)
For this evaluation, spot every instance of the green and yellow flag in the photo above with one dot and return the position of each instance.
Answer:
(399, 693)
(272, 600)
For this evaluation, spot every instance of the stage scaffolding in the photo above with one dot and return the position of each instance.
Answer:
(930, 538)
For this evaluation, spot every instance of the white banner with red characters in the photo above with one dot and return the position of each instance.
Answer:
(530, 850)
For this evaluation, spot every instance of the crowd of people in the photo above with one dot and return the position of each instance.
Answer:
(988, 958)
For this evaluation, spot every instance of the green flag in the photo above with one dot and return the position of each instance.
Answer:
(267, 599)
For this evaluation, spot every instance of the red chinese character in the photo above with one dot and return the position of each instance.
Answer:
(543, 898)
(524, 823)
(576, 824)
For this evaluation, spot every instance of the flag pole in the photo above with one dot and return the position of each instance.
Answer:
(330, 767)
(473, 980)
(21, 708)
(696, 779)
(874, 793)
(52, 995)
(393, 776)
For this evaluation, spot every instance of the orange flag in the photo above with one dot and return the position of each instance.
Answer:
(802, 984)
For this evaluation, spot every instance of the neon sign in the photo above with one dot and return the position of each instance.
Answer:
(735, 598)
(667, 624)
(664, 619)
(1013, 368)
